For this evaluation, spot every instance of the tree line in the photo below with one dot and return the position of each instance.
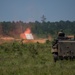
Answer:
(41, 29)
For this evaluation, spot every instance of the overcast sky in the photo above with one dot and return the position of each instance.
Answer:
(32, 10)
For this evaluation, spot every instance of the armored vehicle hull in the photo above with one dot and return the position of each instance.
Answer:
(64, 49)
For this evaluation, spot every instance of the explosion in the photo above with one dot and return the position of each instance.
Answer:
(27, 34)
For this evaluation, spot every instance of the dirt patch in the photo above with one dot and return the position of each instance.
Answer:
(35, 41)
(9, 39)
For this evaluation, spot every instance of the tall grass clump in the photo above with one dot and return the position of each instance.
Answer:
(32, 59)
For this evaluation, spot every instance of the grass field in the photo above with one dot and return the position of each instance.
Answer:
(32, 59)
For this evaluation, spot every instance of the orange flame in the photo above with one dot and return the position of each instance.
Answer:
(27, 31)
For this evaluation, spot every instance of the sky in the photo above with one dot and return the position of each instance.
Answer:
(32, 10)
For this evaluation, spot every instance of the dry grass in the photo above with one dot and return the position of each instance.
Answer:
(9, 39)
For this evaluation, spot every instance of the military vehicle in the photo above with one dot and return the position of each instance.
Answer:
(63, 48)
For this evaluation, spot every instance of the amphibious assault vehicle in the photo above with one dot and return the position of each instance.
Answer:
(63, 48)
